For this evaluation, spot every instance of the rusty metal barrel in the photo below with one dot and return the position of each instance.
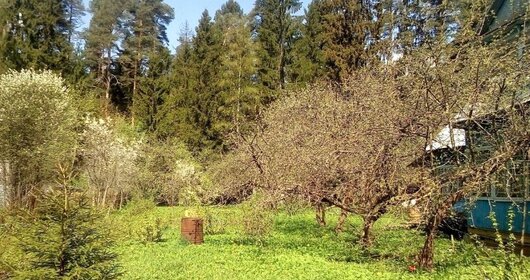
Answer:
(191, 230)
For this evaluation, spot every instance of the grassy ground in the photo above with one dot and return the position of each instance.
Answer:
(295, 248)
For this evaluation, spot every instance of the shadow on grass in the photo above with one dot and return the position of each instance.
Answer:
(301, 234)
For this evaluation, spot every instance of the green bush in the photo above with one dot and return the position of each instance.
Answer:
(506, 262)
(170, 174)
(151, 232)
(214, 223)
(139, 206)
(257, 221)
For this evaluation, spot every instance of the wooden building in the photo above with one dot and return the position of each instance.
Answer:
(504, 206)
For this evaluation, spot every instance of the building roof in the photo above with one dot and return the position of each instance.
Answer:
(448, 138)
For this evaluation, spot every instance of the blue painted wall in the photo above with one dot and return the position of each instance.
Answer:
(480, 212)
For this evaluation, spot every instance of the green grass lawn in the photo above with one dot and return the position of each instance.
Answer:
(295, 248)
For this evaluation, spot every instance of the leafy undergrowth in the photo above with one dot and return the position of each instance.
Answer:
(296, 248)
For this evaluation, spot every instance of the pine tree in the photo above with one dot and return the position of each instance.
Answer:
(101, 43)
(144, 30)
(63, 237)
(273, 26)
(74, 11)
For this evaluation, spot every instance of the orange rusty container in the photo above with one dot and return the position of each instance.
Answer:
(191, 230)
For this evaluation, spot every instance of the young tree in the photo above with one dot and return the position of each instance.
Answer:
(63, 237)
(108, 163)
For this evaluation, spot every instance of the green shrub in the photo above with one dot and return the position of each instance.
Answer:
(151, 232)
(170, 174)
(139, 206)
(505, 262)
(257, 222)
(214, 224)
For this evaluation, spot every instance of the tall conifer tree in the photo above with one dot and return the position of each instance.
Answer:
(308, 61)
(238, 98)
(36, 34)
(101, 43)
(144, 29)
(346, 37)
(206, 55)
(176, 113)
(273, 27)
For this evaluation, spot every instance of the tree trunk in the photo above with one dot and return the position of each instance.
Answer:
(104, 199)
(368, 223)
(342, 219)
(107, 82)
(426, 257)
(321, 214)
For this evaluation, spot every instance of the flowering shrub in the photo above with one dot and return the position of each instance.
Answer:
(37, 122)
(108, 162)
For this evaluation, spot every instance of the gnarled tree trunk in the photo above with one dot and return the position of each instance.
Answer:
(342, 219)
(320, 214)
(368, 223)
(426, 256)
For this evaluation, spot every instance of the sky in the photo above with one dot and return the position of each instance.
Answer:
(190, 11)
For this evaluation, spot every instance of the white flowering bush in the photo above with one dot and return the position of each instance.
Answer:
(37, 122)
(171, 175)
(108, 162)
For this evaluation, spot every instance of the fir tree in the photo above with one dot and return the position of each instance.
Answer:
(346, 36)
(176, 113)
(308, 61)
(36, 34)
(153, 87)
(206, 58)
(63, 237)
